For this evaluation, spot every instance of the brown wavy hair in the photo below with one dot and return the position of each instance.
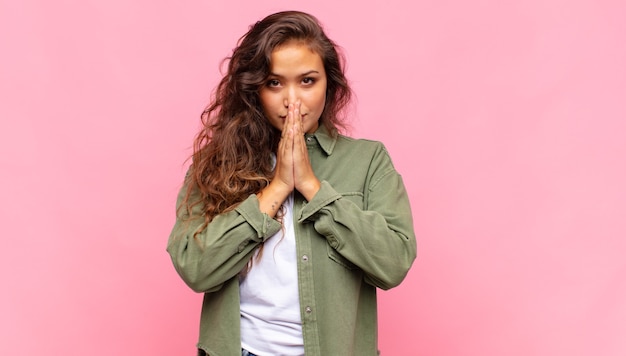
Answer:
(232, 152)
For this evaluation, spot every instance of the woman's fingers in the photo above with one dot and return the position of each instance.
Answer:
(305, 180)
(284, 154)
(293, 168)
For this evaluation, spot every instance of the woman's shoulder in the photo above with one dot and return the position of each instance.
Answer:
(343, 144)
(359, 143)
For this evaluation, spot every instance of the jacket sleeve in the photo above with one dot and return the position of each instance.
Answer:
(379, 239)
(223, 248)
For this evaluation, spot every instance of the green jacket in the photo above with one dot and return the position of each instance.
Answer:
(356, 234)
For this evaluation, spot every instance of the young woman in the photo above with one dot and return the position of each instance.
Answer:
(287, 226)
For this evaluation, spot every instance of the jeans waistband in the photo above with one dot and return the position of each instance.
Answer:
(243, 353)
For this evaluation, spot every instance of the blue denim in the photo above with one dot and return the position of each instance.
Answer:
(243, 353)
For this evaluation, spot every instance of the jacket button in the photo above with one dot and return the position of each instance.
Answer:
(305, 258)
(308, 310)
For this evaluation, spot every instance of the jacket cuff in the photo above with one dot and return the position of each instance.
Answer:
(326, 195)
(262, 223)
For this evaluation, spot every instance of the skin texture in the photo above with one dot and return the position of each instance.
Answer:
(293, 100)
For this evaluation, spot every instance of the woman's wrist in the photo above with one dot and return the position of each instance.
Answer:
(309, 189)
(272, 197)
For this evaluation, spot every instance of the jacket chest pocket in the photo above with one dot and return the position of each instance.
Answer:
(337, 258)
(357, 199)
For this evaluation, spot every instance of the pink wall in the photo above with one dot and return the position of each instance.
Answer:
(506, 118)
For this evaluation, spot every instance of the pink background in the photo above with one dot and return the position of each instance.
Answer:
(507, 120)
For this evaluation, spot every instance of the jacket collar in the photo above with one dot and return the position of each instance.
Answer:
(325, 140)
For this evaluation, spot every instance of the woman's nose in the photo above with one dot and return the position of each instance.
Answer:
(291, 95)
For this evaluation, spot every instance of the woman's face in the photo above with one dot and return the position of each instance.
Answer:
(296, 73)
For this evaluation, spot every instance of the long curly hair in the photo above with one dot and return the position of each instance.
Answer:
(232, 153)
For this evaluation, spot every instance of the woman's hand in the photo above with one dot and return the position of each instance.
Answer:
(293, 167)
(304, 178)
(283, 175)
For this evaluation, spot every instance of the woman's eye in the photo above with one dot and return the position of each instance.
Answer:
(273, 83)
(308, 80)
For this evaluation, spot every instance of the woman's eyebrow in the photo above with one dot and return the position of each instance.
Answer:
(302, 75)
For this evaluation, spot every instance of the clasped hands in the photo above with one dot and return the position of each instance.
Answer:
(293, 167)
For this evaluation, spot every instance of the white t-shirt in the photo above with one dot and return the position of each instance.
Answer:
(270, 308)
